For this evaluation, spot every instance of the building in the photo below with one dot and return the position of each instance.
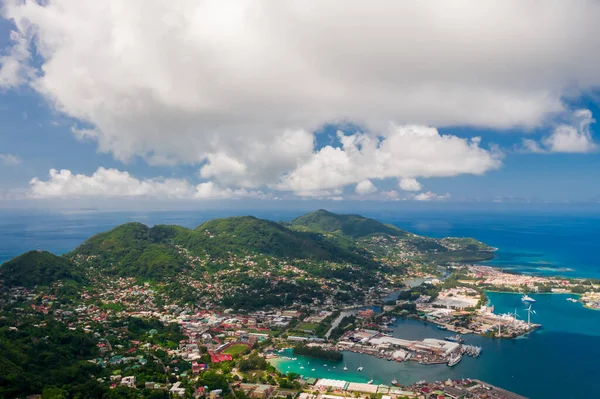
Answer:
(128, 381)
(176, 389)
(257, 390)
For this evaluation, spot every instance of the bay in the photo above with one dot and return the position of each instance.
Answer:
(558, 361)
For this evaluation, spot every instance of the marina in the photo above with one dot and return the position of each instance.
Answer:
(500, 362)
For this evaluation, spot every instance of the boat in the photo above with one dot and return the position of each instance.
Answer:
(360, 368)
(345, 367)
(312, 369)
(454, 359)
(370, 382)
(572, 300)
(396, 383)
(301, 367)
(527, 298)
(442, 327)
(455, 338)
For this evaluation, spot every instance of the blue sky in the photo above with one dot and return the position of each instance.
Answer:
(215, 140)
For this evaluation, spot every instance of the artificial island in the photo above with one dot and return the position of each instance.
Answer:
(167, 311)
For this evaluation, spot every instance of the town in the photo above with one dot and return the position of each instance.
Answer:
(217, 322)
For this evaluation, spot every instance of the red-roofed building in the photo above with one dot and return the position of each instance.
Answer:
(219, 357)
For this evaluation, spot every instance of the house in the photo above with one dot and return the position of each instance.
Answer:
(257, 390)
(176, 389)
(128, 381)
(198, 367)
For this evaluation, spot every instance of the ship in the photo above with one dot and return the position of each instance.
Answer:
(572, 300)
(396, 383)
(442, 327)
(454, 359)
(527, 298)
(455, 338)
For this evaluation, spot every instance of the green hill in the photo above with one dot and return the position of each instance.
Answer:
(354, 226)
(135, 250)
(39, 268)
(247, 233)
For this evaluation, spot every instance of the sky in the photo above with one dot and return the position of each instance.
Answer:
(383, 101)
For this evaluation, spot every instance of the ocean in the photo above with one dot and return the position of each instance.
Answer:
(558, 361)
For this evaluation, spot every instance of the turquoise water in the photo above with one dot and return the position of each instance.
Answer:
(558, 361)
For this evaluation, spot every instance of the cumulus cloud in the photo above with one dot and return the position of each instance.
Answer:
(365, 187)
(429, 196)
(238, 87)
(14, 68)
(9, 159)
(210, 190)
(568, 138)
(575, 137)
(115, 183)
(401, 151)
(409, 184)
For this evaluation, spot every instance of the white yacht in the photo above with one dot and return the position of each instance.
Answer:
(527, 298)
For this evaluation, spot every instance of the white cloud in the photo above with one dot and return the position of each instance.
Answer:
(210, 190)
(530, 145)
(568, 138)
(429, 196)
(365, 187)
(9, 159)
(402, 151)
(575, 137)
(115, 183)
(14, 68)
(391, 195)
(409, 184)
(107, 183)
(236, 87)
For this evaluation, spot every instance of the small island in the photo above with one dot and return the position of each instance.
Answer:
(317, 352)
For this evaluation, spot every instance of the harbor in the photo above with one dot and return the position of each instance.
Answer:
(503, 362)
(426, 351)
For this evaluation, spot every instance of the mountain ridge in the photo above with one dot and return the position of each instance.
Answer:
(165, 252)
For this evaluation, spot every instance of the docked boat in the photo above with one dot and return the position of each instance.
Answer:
(442, 327)
(396, 383)
(454, 359)
(345, 367)
(455, 338)
(527, 298)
